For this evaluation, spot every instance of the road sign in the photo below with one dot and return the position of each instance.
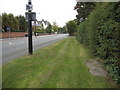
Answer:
(7, 28)
(29, 7)
(30, 16)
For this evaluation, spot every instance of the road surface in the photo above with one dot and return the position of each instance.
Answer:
(16, 47)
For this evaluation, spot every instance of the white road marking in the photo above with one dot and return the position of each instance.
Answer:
(10, 43)
(21, 42)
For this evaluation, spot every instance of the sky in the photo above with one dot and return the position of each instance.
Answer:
(60, 11)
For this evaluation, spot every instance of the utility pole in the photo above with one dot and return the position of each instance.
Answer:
(30, 16)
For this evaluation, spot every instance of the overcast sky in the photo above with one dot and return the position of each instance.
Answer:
(60, 11)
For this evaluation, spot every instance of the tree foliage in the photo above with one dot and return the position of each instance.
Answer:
(62, 29)
(55, 27)
(22, 24)
(83, 10)
(17, 23)
(0, 22)
(49, 29)
(71, 27)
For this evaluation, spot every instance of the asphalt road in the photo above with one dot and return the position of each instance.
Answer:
(16, 47)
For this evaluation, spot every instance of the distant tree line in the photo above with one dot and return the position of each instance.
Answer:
(19, 24)
(99, 30)
(15, 23)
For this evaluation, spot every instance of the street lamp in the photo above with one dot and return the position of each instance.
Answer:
(30, 16)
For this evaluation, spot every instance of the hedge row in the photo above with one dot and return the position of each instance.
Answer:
(100, 32)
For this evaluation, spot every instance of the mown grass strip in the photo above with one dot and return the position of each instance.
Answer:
(60, 65)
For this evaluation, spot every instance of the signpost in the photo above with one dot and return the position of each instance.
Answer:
(30, 16)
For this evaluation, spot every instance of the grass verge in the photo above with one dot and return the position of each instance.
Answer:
(60, 65)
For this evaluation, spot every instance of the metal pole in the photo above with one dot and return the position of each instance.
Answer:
(30, 46)
(30, 38)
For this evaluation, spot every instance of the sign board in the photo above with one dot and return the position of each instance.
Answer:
(30, 16)
(7, 28)
(29, 7)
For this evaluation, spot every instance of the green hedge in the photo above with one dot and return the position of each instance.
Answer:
(100, 32)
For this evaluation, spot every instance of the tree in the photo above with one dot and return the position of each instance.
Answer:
(83, 10)
(5, 21)
(64, 29)
(13, 22)
(8, 21)
(55, 27)
(49, 29)
(17, 23)
(0, 23)
(22, 24)
(71, 27)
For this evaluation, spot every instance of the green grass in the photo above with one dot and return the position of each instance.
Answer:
(60, 65)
